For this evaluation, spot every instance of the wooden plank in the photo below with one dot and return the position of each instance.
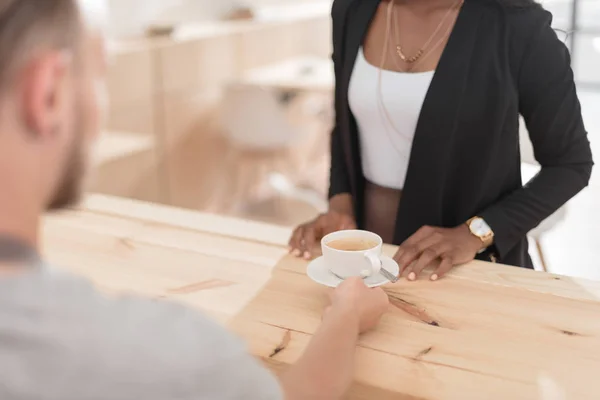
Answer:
(188, 219)
(155, 216)
(130, 230)
(503, 276)
(499, 341)
(217, 274)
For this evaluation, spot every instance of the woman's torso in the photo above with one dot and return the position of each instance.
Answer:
(386, 94)
(465, 154)
(386, 106)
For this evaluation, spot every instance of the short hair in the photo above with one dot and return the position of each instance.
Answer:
(29, 25)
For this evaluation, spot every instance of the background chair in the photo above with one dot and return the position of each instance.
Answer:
(271, 135)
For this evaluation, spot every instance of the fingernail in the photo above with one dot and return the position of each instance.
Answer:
(306, 255)
(434, 277)
(412, 276)
(297, 253)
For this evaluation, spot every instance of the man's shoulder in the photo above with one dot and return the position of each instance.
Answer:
(159, 328)
(134, 345)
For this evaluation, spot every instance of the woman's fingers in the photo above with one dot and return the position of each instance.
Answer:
(296, 240)
(308, 241)
(347, 223)
(427, 257)
(305, 238)
(445, 266)
(315, 231)
(411, 250)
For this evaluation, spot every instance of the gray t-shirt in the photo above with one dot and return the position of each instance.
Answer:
(62, 340)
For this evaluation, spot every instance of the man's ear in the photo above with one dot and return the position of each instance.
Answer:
(43, 93)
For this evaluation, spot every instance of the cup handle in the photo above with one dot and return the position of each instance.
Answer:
(375, 264)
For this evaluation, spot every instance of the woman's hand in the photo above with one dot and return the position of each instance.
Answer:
(306, 236)
(444, 247)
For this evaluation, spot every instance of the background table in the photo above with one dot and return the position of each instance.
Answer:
(307, 73)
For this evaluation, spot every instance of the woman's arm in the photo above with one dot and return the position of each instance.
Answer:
(339, 182)
(340, 215)
(549, 104)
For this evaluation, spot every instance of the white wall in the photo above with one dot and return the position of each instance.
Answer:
(128, 17)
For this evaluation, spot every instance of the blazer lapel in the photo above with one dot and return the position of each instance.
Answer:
(357, 19)
(423, 194)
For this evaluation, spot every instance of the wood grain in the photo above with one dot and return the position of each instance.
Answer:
(485, 332)
(453, 339)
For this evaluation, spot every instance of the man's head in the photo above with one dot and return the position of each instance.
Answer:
(52, 68)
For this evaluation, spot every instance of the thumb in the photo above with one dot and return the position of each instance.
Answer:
(325, 312)
(348, 225)
(346, 222)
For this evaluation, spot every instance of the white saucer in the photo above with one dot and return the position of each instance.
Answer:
(318, 272)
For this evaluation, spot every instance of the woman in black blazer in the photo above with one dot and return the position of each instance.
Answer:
(461, 196)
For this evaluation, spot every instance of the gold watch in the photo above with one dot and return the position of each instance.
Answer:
(480, 229)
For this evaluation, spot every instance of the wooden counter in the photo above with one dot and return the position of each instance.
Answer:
(485, 332)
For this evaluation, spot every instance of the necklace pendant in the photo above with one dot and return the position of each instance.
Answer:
(400, 53)
(406, 59)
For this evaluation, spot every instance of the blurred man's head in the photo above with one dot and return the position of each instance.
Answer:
(51, 85)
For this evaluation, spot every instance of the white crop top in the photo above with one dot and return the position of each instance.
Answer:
(385, 147)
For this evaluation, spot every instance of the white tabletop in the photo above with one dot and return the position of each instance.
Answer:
(299, 73)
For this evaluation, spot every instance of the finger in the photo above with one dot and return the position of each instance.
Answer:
(292, 241)
(312, 234)
(419, 235)
(348, 223)
(331, 295)
(325, 312)
(308, 241)
(295, 241)
(444, 267)
(409, 245)
(406, 255)
(406, 271)
(428, 256)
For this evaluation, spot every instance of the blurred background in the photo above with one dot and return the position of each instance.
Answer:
(226, 106)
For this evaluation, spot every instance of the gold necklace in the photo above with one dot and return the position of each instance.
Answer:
(385, 115)
(421, 51)
(384, 56)
(426, 54)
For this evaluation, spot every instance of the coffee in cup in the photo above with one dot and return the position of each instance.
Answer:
(352, 253)
(352, 244)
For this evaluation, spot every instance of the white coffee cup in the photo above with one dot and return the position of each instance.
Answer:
(349, 263)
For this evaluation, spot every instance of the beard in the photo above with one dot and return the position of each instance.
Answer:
(69, 189)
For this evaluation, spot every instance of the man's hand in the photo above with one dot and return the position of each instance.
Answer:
(306, 236)
(326, 369)
(442, 247)
(352, 297)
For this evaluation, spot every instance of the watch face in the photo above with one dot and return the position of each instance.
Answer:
(480, 228)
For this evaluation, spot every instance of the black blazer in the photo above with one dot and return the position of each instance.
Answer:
(500, 61)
